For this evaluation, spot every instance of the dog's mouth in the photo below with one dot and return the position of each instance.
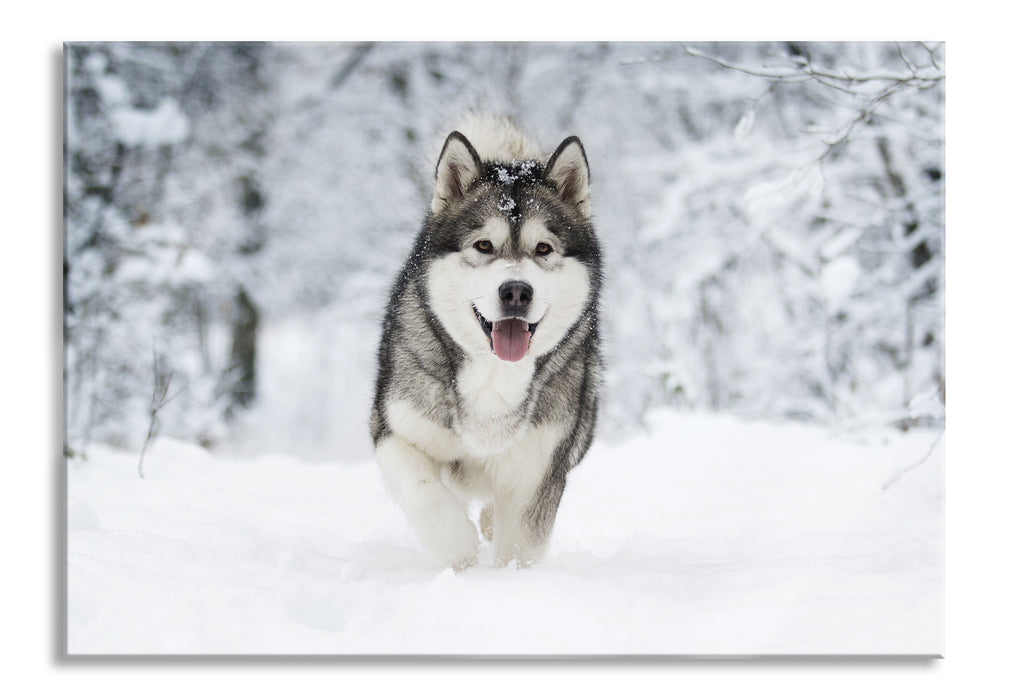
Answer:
(509, 338)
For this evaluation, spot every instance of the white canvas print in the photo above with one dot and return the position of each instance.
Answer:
(504, 349)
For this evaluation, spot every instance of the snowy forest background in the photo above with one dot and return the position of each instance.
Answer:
(772, 216)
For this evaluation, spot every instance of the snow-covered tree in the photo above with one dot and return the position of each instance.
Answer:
(772, 217)
(161, 208)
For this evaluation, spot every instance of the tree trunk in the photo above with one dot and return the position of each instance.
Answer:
(244, 334)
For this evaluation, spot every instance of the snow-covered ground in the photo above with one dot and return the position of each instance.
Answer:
(707, 536)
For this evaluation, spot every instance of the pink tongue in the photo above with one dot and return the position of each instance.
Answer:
(511, 339)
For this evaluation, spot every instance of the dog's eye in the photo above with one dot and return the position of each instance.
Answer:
(484, 246)
(544, 249)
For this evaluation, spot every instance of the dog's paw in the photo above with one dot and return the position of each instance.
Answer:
(464, 564)
(450, 537)
(522, 553)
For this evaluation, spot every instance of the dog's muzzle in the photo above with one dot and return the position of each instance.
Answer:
(510, 337)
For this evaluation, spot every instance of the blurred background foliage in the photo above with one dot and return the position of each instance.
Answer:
(772, 216)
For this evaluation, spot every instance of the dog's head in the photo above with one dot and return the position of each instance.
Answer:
(516, 261)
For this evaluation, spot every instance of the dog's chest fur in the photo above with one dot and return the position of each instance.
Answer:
(494, 403)
(491, 416)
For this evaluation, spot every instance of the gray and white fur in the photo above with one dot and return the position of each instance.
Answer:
(489, 365)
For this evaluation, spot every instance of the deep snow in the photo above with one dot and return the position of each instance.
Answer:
(707, 536)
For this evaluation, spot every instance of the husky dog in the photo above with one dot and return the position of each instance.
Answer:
(489, 364)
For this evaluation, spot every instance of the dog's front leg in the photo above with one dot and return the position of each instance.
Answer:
(523, 521)
(413, 480)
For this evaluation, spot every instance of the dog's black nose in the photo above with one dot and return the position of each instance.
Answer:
(515, 296)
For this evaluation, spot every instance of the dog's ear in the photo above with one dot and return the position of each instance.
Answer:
(458, 166)
(568, 168)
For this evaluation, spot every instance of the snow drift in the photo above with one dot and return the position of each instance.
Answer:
(707, 536)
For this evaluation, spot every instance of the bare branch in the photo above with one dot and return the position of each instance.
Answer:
(159, 399)
(931, 55)
(911, 467)
(900, 52)
(777, 76)
(865, 114)
(828, 78)
(352, 62)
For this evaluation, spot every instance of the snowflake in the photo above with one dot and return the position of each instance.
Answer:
(505, 177)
